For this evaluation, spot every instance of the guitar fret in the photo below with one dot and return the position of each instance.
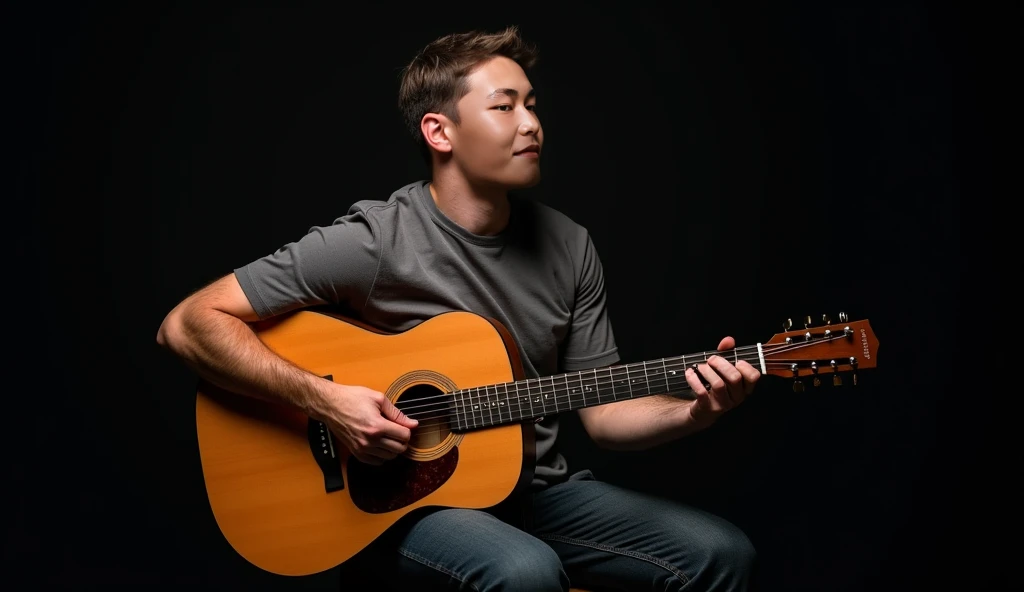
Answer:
(664, 369)
(492, 403)
(506, 404)
(478, 407)
(489, 402)
(529, 404)
(518, 415)
(485, 408)
(462, 409)
(462, 403)
(528, 400)
(540, 399)
(647, 380)
(496, 403)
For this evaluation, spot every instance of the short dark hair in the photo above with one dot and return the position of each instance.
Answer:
(435, 80)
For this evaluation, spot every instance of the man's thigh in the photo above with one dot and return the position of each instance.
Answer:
(442, 549)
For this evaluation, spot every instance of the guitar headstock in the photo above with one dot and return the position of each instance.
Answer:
(827, 348)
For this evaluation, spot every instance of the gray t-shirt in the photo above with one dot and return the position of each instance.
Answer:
(397, 263)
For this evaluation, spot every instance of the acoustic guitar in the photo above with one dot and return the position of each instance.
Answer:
(292, 501)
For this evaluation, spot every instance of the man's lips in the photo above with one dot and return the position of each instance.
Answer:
(535, 148)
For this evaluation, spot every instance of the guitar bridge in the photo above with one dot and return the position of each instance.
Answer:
(321, 444)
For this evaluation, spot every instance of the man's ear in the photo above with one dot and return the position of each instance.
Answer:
(435, 128)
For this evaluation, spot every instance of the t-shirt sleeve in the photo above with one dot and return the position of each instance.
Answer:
(590, 342)
(333, 264)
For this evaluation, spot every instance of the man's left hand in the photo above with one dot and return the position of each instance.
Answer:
(719, 384)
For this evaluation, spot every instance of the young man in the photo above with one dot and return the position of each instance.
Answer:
(460, 242)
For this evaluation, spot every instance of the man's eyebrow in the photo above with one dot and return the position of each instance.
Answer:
(511, 93)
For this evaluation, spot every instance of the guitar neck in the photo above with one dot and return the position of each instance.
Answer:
(533, 398)
(809, 352)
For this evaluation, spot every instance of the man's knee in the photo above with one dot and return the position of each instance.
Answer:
(736, 553)
(729, 560)
(534, 567)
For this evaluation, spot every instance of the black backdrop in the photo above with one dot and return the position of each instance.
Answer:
(736, 166)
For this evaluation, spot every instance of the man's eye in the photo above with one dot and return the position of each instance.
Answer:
(504, 107)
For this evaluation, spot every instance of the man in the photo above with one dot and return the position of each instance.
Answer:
(460, 242)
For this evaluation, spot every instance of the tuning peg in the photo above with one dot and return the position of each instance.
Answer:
(807, 325)
(787, 325)
(836, 379)
(826, 319)
(814, 368)
(843, 318)
(798, 385)
(853, 364)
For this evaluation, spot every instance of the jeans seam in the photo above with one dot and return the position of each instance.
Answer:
(627, 552)
(434, 566)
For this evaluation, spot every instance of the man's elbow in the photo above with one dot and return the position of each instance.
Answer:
(167, 335)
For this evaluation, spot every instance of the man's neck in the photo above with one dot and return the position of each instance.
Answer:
(480, 211)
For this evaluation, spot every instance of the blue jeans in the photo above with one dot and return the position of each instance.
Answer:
(586, 532)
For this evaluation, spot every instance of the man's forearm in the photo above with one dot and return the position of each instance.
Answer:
(643, 423)
(225, 351)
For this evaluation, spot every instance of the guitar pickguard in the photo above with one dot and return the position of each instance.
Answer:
(398, 482)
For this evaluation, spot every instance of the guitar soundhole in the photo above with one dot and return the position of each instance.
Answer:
(432, 408)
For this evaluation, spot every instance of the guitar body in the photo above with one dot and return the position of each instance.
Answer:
(292, 501)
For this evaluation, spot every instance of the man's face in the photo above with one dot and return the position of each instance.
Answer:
(499, 138)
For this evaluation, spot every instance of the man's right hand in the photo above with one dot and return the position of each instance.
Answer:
(368, 424)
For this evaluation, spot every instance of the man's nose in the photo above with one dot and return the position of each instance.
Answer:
(529, 124)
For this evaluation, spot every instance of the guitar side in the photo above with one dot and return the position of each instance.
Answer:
(265, 486)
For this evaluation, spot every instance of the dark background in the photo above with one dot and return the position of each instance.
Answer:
(736, 166)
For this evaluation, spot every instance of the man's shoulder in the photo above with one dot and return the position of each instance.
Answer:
(381, 208)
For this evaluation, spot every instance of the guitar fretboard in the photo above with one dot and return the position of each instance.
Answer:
(530, 399)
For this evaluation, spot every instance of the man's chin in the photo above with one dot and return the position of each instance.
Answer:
(525, 183)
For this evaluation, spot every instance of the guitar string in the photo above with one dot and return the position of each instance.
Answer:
(573, 390)
(562, 396)
(438, 423)
(486, 417)
(505, 416)
(613, 375)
